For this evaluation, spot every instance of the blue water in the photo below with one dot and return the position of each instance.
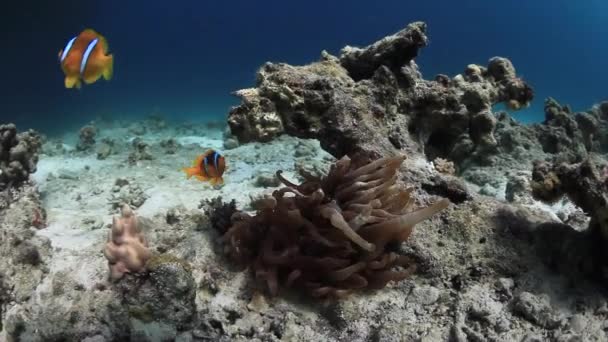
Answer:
(184, 60)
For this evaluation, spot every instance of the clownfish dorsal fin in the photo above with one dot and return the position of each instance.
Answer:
(90, 31)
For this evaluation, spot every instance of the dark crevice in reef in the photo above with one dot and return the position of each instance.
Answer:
(440, 143)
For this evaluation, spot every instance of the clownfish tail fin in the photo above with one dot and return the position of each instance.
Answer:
(188, 173)
(109, 70)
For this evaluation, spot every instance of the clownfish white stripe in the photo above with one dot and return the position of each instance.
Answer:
(67, 49)
(205, 166)
(215, 156)
(85, 57)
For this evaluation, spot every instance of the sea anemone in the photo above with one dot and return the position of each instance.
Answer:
(329, 236)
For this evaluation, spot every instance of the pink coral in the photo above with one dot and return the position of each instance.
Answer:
(127, 249)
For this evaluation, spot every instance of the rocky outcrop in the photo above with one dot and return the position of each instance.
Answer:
(18, 155)
(375, 99)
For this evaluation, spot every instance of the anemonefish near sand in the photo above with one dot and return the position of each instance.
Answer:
(209, 166)
(85, 58)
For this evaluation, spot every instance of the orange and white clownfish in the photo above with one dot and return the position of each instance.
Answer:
(85, 58)
(209, 166)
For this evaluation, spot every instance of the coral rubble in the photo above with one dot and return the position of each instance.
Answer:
(127, 248)
(331, 235)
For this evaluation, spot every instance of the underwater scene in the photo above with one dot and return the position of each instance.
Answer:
(304, 171)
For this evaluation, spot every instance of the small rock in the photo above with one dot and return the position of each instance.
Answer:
(536, 310)
(230, 144)
(121, 182)
(173, 216)
(504, 286)
(67, 174)
(425, 295)
(86, 138)
(28, 254)
(488, 190)
(502, 325)
(267, 180)
(104, 151)
(258, 303)
(93, 223)
(444, 166)
(578, 323)
(531, 337)
(170, 146)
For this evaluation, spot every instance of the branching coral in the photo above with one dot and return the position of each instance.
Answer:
(329, 236)
(127, 248)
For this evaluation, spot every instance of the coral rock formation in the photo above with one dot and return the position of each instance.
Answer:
(374, 99)
(581, 183)
(18, 155)
(588, 189)
(127, 248)
(331, 236)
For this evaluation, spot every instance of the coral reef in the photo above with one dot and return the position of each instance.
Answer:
(486, 268)
(374, 99)
(333, 235)
(127, 248)
(18, 155)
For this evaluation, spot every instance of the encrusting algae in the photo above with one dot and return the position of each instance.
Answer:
(329, 236)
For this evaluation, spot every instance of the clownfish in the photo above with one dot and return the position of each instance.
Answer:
(85, 58)
(209, 166)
